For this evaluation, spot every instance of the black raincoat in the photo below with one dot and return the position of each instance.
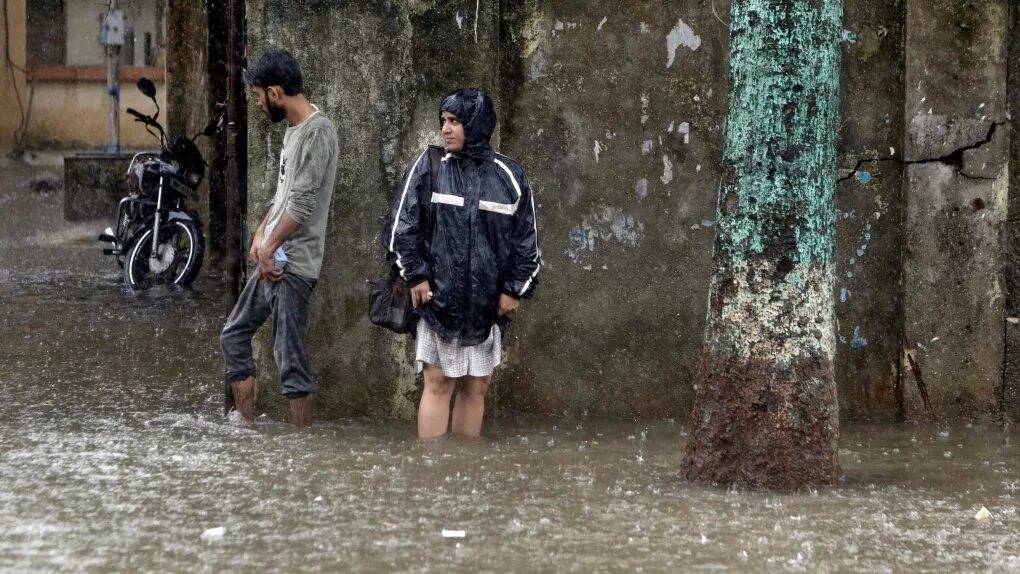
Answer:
(474, 237)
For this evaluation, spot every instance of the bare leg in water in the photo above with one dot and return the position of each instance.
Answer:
(469, 406)
(434, 408)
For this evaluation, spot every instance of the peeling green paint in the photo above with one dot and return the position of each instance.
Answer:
(766, 413)
(776, 196)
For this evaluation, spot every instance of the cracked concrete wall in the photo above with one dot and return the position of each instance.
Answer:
(957, 165)
(869, 217)
(617, 114)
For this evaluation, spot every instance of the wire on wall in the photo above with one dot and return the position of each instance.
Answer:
(19, 133)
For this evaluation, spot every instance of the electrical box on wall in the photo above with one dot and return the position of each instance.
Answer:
(113, 27)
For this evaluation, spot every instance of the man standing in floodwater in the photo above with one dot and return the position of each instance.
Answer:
(462, 232)
(288, 245)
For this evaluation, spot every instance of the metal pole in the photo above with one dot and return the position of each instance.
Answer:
(219, 250)
(112, 88)
(110, 40)
(237, 152)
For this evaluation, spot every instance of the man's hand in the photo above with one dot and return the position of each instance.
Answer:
(267, 266)
(507, 305)
(253, 251)
(421, 294)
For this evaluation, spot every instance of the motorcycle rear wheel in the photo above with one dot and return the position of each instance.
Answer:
(180, 253)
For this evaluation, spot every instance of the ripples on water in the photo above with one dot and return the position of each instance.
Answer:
(113, 456)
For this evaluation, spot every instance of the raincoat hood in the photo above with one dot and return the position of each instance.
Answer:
(476, 112)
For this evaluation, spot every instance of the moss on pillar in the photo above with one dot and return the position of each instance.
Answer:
(766, 414)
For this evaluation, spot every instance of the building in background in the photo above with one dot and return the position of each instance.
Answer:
(54, 72)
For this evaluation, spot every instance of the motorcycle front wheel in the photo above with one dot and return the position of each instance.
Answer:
(177, 259)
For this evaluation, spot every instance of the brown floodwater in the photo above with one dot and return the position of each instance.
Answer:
(114, 456)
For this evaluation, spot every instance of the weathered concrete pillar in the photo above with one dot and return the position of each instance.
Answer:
(956, 192)
(1011, 239)
(186, 82)
(766, 413)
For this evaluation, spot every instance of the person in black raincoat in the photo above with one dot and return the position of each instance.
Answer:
(462, 232)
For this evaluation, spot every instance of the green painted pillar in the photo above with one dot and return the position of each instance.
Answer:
(766, 414)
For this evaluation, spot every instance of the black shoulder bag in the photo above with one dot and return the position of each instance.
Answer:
(389, 297)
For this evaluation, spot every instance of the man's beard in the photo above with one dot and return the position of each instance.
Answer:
(277, 113)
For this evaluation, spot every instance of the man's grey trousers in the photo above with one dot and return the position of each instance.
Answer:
(287, 302)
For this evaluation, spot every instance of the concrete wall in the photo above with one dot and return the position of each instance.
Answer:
(72, 115)
(618, 115)
(94, 185)
(618, 118)
(868, 290)
(957, 142)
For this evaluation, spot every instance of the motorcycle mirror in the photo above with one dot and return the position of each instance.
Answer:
(146, 86)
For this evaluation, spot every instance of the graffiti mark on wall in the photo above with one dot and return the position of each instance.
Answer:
(858, 342)
(607, 225)
(561, 26)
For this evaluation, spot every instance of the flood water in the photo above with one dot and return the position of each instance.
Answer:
(114, 456)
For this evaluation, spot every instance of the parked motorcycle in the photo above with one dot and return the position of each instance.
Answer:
(158, 239)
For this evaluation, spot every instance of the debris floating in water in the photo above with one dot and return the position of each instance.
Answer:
(214, 534)
(983, 515)
(453, 533)
(42, 183)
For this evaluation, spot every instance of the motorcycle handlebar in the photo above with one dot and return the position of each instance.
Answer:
(148, 121)
(140, 116)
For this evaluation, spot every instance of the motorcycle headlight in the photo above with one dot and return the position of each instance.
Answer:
(134, 179)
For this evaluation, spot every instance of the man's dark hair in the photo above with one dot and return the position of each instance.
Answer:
(276, 68)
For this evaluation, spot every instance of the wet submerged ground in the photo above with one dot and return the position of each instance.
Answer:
(114, 457)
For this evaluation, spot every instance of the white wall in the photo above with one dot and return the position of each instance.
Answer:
(83, 18)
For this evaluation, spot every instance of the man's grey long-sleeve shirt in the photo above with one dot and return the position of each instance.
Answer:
(304, 188)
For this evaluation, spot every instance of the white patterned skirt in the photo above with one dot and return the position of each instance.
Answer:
(456, 361)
